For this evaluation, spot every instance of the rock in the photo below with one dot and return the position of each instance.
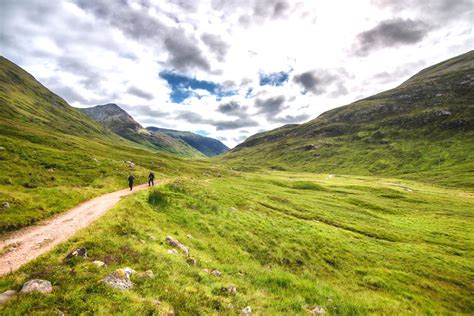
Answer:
(99, 263)
(173, 251)
(5, 205)
(216, 273)
(175, 243)
(191, 261)
(189, 236)
(37, 285)
(2, 148)
(156, 302)
(246, 311)
(6, 296)
(120, 279)
(152, 237)
(318, 311)
(51, 170)
(231, 289)
(142, 241)
(79, 252)
(147, 274)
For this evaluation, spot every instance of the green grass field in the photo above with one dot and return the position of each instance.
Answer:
(353, 245)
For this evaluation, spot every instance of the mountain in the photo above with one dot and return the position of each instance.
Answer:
(423, 128)
(206, 145)
(120, 122)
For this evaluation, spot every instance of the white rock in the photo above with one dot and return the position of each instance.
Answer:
(99, 263)
(37, 285)
(318, 311)
(6, 296)
(246, 311)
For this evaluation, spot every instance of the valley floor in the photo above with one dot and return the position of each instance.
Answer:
(288, 242)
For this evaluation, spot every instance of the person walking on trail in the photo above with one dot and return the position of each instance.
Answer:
(151, 177)
(130, 182)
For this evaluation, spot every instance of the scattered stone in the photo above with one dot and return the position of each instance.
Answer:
(156, 302)
(152, 237)
(5, 205)
(79, 252)
(2, 148)
(216, 273)
(120, 279)
(318, 311)
(246, 311)
(189, 236)
(99, 263)
(191, 261)
(231, 289)
(175, 243)
(147, 274)
(37, 285)
(142, 241)
(172, 251)
(6, 296)
(51, 170)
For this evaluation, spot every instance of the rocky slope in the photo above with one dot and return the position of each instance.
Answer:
(423, 128)
(206, 145)
(120, 122)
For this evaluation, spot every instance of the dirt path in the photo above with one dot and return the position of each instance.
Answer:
(28, 243)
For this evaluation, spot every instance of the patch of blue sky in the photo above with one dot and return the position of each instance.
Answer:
(274, 78)
(183, 87)
(201, 132)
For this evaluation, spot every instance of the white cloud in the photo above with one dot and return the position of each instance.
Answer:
(98, 51)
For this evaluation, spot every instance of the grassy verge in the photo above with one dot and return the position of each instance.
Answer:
(288, 242)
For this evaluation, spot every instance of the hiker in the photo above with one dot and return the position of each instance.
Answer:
(151, 177)
(130, 182)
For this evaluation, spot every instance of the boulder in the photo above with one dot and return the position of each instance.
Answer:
(318, 310)
(99, 263)
(37, 285)
(6, 296)
(246, 311)
(191, 261)
(79, 252)
(175, 243)
(5, 205)
(120, 279)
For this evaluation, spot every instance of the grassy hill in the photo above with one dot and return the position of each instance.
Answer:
(423, 129)
(120, 122)
(52, 156)
(206, 145)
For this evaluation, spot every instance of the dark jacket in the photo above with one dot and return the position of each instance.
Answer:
(130, 179)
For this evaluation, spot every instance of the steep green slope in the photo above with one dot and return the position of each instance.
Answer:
(206, 145)
(423, 129)
(120, 122)
(52, 156)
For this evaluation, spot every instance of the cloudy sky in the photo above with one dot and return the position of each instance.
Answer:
(229, 68)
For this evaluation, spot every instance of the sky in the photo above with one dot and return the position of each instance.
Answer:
(229, 68)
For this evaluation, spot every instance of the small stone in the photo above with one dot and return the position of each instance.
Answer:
(175, 243)
(142, 241)
(79, 252)
(231, 289)
(5, 205)
(148, 274)
(99, 263)
(189, 236)
(120, 279)
(156, 302)
(152, 237)
(6, 296)
(37, 285)
(191, 261)
(51, 170)
(172, 251)
(216, 273)
(318, 310)
(246, 311)
(2, 148)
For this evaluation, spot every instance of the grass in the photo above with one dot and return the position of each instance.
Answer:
(287, 241)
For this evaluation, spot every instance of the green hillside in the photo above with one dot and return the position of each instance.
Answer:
(52, 156)
(111, 116)
(423, 129)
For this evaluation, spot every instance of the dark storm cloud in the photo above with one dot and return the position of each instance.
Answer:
(270, 107)
(140, 93)
(390, 33)
(321, 81)
(220, 125)
(233, 108)
(216, 45)
(184, 51)
(436, 10)
(291, 119)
